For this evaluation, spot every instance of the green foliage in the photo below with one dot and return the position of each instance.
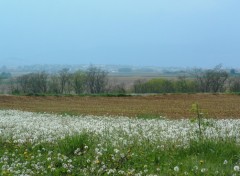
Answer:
(79, 81)
(69, 144)
(183, 85)
(162, 85)
(157, 85)
(95, 81)
(95, 156)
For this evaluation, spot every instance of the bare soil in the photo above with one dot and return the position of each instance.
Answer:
(169, 105)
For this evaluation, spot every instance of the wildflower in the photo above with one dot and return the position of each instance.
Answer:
(111, 171)
(65, 165)
(129, 173)
(121, 172)
(195, 168)
(122, 155)
(176, 169)
(236, 168)
(116, 150)
(99, 153)
(225, 162)
(203, 170)
(96, 150)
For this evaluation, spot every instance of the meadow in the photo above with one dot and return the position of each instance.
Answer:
(48, 144)
(61, 141)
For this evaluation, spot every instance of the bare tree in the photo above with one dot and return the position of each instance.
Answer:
(32, 83)
(79, 82)
(13, 86)
(23, 83)
(218, 77)
(54, 84)
(64, 77)
(39, 82)
(117, 88)
(212, 80)
(96, 80)
(202, 81)
(234, 84)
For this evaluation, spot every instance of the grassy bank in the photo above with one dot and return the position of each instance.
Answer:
(48, 144)
(86, 154)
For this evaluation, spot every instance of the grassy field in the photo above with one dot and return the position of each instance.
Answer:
(61, 143)
(170, 105)
(48, 144)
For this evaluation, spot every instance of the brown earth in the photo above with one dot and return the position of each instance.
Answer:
(170, 105)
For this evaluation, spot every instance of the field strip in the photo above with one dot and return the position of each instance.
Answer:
(170, 105)
(50, 144)
(39, 127)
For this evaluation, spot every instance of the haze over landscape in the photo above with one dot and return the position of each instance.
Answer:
(127, 87)
(174, 33)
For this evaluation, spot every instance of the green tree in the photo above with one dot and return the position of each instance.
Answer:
(79, 82)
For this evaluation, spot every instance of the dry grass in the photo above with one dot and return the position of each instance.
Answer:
(171, 105)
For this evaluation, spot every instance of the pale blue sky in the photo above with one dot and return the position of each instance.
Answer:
(182, 33)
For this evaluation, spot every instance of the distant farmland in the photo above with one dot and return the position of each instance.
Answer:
(169, 105)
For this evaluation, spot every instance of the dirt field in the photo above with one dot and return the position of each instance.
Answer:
(171, 106)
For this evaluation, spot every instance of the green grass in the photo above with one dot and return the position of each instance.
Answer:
(90, 154)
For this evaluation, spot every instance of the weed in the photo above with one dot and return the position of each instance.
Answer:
(69, 144)
(199, 116)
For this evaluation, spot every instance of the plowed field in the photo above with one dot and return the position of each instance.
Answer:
(170, 105)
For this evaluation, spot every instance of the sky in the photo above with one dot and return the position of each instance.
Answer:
(164, 33)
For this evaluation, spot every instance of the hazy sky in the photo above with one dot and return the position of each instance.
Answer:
(182, 33)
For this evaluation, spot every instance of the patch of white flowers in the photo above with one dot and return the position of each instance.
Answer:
(41, 127)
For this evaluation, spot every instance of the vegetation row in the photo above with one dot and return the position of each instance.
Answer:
(96, 81)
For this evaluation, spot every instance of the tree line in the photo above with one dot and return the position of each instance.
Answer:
(96, 81)
(92, 81)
